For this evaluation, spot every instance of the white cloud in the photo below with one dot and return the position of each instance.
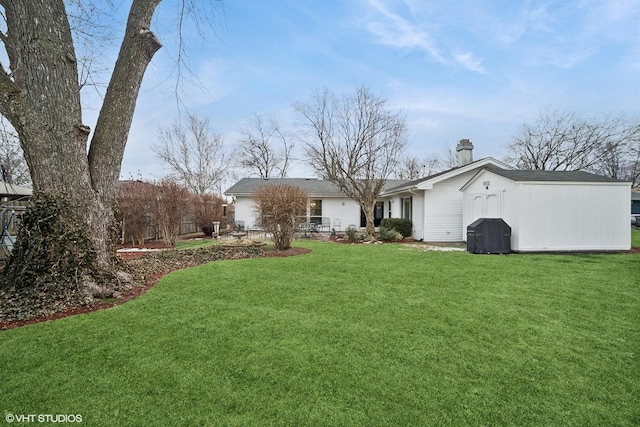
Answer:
(470, 62)
(394, 30)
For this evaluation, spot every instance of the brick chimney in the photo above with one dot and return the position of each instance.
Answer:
(464, 152)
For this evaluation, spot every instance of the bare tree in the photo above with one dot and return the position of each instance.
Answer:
(561, 140)
(195, 156)
(621, 155)
(633, 170)
(278, 208)
(40, 96)
(264, 148)
(14, 167)
(355, 142)
(414, 167)
(449, 159)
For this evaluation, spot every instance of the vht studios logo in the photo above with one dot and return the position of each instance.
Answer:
(43, 418)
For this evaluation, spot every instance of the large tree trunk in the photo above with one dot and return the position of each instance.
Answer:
(41, 99)
(369, 209)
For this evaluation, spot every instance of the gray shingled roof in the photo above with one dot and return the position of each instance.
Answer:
(549, 176)
(403, 185)
(246, 186)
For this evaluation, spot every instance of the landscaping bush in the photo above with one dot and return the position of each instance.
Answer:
(278, 208)
(352, 234)
(171, 205)
(135, 200)
(168, 260)
(207, 208)
(389, 234)
(401, 225)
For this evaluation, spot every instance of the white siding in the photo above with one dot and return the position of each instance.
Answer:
(557, 216)
(443, 210)
(417, 217)
(396, 207)
(244, 211)
(564, 217)
(345, 210)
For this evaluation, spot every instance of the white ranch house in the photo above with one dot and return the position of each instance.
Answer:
(590, 212)
(327, 204)
(433, 204)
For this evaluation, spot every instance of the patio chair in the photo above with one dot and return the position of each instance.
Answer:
(326, 224)
(337, 224)
(307, 228)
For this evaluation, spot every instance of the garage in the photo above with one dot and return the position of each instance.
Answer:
(552, 210)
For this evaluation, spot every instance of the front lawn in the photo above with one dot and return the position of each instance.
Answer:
(348, 335)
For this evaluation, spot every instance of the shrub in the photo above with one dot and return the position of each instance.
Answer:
(207, 208)
(389, 234)
(171, 205)
(401, 225)
(135, 201)
(352, 234)
(278, 208)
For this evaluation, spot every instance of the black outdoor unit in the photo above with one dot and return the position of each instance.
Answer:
(489, 236)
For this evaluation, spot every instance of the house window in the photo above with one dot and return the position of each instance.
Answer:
(315, 211)
(407, 207)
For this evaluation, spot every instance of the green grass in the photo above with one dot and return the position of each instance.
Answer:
(201, 243)
(348, 336)
(635, 238)
(195, 243)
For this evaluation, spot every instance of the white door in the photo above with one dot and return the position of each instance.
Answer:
(486, 205)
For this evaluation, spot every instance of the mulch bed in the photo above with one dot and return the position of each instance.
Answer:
(149, 283)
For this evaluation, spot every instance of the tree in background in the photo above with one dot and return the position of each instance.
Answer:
(279, 209)
(355, 142)
(449, 159)
(563, 140)
(414, 168)
(12, 160)
(193, 153)
(264, 148)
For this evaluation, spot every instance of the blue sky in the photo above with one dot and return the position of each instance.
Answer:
(463, 69)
